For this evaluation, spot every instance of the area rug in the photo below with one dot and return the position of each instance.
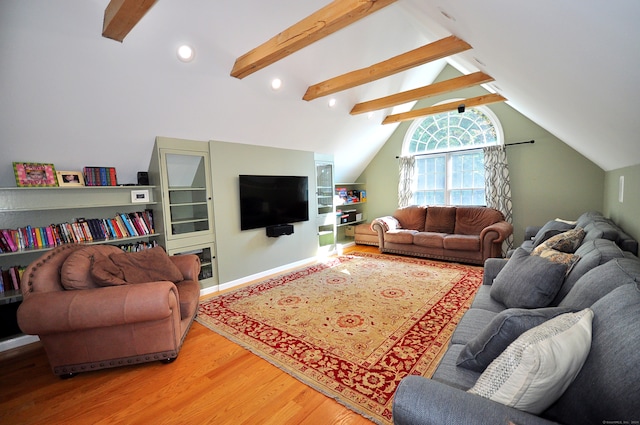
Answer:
(352, 326)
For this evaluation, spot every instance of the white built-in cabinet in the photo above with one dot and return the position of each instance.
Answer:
(181, 171)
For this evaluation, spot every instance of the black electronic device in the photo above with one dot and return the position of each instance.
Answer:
(273, 200)
(143, 178)
(279, 230)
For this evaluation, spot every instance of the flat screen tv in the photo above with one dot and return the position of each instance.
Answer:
(272, 200)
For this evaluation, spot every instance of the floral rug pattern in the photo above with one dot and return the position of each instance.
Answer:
(351, 327)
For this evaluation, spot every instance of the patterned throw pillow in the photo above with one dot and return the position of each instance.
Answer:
(568, 241)
(536, 369)
(555, 256)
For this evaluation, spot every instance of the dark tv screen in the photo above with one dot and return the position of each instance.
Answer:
(271, 200)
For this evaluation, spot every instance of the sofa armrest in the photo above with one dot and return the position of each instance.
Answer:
(492, 267)
(63, 311)
(530, 232)
(384, 224)
(502, 228)
(421, 401)
(188, 264)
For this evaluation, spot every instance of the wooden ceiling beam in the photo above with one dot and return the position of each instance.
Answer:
(445, 107)
(121, 16)
(458, 83)
(437, 50)
(331, 18)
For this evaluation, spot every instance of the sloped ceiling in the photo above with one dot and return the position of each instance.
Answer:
(571, 67)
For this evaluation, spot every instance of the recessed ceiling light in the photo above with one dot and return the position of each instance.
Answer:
(186, 53)
(332, 102)
(276, 83)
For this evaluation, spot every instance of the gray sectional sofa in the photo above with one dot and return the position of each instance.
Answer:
(574, 322)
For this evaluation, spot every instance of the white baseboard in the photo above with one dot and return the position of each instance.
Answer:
(18, 341)
(256, 276)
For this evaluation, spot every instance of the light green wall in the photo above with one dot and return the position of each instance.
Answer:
(549, 179)
(245, 253)
(625, 213)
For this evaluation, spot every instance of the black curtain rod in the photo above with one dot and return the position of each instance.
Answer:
(473, 149)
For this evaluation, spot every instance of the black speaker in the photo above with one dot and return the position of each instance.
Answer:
(279, 230)
(143, 178)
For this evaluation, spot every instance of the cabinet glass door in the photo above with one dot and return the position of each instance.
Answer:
(324, 187)
(187, 192)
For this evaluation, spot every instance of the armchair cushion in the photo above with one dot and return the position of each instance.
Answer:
(150, 265)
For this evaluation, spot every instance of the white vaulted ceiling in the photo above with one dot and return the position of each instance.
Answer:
(572, 67)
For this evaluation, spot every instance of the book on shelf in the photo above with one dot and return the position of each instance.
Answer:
(100, 176)
(10, 278)
(122, 225)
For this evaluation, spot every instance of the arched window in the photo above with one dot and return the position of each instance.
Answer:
(449, 166)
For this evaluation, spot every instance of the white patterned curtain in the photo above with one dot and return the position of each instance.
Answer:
(497, 187)
(405, 193)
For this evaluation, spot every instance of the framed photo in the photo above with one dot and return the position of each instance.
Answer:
(32, 174)
(70, 178)
(139, 196)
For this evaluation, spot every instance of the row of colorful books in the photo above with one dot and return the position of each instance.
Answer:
(10, 278)
(123, 225)
(100, 176)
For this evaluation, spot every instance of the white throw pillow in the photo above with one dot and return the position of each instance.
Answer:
(536, 369)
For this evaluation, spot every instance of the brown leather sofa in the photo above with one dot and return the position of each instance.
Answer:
(462, 234)
(90, 312)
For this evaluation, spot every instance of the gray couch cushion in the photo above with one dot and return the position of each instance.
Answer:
(601, 280)
(501, 331)
(528, 281)
(608, 385)
(484, 301)
(592, 254)
(472, 323)
(448, 373)
(551, 228)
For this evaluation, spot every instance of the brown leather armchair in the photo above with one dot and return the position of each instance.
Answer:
(84, 325)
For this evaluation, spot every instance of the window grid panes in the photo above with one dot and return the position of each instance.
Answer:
(444, 176)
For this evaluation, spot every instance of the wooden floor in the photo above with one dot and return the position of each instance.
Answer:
(213, 381)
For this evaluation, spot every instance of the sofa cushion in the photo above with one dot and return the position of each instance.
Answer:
(600, 230)
(551, 228)
(601, 280)
(501, 331)
(400, 236)
(462, 242)
(412, 217)
(592, 254)
(609, 382)
(429, 239)
(528, 281)
(75, 272)
(440, 219)
(472, 220)
(149, 265)
(568, 241)
(534, 371)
